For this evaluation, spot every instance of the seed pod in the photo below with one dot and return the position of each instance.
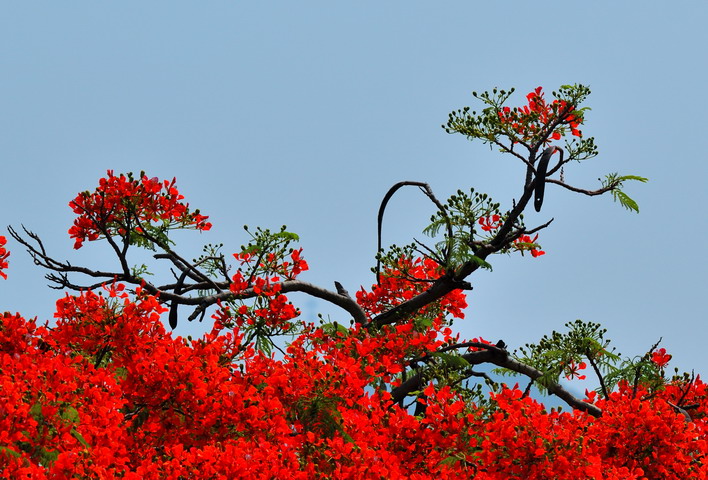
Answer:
(541, 170)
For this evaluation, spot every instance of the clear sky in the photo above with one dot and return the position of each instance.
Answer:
(305, 113)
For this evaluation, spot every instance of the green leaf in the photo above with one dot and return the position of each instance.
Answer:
(334, 327)
(70, 414)
(625, 200)
(450, 461)
(633, 177)
(615, 182)
(452, 361)
(482, 263)
(10, 452)
(80, 438)
(290, 236)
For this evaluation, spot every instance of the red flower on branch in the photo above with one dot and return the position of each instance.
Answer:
(572, 370)
(660, 357)
(109, 393)
(525, 242)
(532, 119)
(122, 204)
(490, 223)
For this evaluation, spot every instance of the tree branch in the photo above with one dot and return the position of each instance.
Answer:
(500, 357)
(581, 190)
(425, 188)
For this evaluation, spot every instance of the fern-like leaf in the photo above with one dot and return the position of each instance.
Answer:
(625, 200)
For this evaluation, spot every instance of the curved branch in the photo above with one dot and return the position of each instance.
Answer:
(596, 368)
(425, 188)
(560, 163)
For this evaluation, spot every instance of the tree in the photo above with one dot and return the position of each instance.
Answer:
(395, 393)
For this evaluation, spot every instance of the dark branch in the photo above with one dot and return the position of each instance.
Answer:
(599, 191)
(425, 188)
(500, 357)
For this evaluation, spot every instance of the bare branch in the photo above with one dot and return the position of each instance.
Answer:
(593, 364)
(581, 190)
(181, 266)
(511, 151)
(539, 228)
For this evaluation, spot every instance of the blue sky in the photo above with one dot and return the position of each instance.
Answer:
(305, 113)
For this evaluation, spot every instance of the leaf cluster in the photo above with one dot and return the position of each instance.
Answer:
(462, 212)
(555, 354)
(615, 181)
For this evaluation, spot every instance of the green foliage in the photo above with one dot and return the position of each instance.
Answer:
(561, 354)
(614, 182)
(68, 415)
(463, 211)
(264, 241)
(140, 271)
(213, 263)
(319, 414)
(449, 360)
(485, 126)
(558, 353)
(638, 370)
(391, 257)
(334, 328)
(9, 452)
(212, 260)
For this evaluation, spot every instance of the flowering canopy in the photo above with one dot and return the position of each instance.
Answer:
(108, 392)
(121, 204)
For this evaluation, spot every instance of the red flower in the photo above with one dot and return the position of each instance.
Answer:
(490, 223)
(572, 370)
(525, 242)
(660, 357)
(122, 204)
(534, 118)
(3, 256)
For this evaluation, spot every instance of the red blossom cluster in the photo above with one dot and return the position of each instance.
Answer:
(108, 393)
(525, 242)
(406, 280)
(4, 253)
(122, 204)
(276, 311)
(538, 116)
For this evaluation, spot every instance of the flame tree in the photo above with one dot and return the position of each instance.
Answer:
(388, 391)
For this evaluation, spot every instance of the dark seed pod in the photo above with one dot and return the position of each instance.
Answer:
(541, 170)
